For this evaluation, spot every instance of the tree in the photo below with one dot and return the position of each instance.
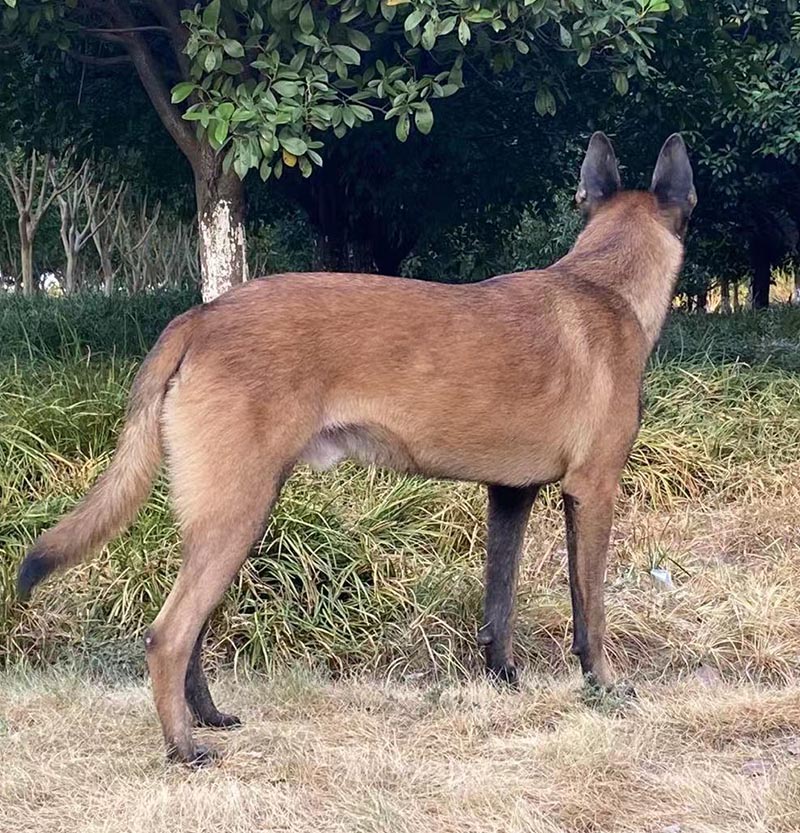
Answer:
(85, 208)
(264, 81)
(727, 76)
(34, 183)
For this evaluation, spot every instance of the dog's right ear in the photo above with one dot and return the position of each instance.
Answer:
(599, 173)
(673, 184)
(672, 179)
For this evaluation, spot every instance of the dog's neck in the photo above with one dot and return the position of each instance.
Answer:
(627, 248)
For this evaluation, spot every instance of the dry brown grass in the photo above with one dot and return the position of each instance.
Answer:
(371, 756)
(715, 750)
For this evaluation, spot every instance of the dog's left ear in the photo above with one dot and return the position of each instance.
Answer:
(673, 183)
(599, 173)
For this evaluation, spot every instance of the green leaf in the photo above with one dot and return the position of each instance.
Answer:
(621, 82)
(220, 132)
(447, 25)
(414, 19)
(182, 91)
(346, 54)
(233, 48)
(232, 67)
(361, 113)
(306, 20)
(565, 35)
(479, 15)
(211, 15)
(583, 58)
(241, 167)
(464, 33)
(294, 145)
(544, 102)
(286, 89)
(423, 119)
(403, 128)
(196, 113)
(210, 63)
(359, 40)
(429, 35)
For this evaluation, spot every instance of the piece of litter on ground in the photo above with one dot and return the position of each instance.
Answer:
(794, 747)
(707, 675)
(661, 578)
(754, 768)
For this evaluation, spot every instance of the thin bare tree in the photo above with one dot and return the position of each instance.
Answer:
(9, 259)
(174, 254)
(102, 210)
(106, 238)
(28, 179)
(134, 233)
(85, 207)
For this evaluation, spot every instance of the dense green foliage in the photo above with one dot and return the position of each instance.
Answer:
(266, 85)
(358, 567)
(266, 80)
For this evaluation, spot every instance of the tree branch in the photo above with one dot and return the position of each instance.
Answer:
(155, 86)
(179, 36)
(99, 61)
(128, 30)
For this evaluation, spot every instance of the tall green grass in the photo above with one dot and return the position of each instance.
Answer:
(88, 323)
(357, 567)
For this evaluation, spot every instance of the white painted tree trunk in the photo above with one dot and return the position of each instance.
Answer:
(220, 220)
(222, 248)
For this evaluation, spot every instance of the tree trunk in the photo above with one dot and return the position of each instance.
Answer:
(761, 275)
(26, 257)
(220, 218)
(69, 273)
(725, 296)
(795, 300)
(736, 306)
(107, 271)
(702, 301)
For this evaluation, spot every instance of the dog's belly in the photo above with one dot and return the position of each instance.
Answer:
(489, 463)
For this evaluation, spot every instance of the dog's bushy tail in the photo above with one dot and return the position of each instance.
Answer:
(113, 501)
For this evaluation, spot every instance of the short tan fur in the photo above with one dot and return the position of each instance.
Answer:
(514, 382)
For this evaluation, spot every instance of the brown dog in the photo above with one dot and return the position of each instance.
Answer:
(520, 380)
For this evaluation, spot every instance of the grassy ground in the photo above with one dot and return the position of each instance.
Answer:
(368, 586)
(370, 756)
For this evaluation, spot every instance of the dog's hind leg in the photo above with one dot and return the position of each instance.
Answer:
(227, 463)
(215, 546)
(199, 697)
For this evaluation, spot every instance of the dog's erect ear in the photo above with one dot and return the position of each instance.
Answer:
(673, 183)
(599, 172)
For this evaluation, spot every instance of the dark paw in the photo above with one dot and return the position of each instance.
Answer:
(505, 676)
(218, 720)
(199, 757)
